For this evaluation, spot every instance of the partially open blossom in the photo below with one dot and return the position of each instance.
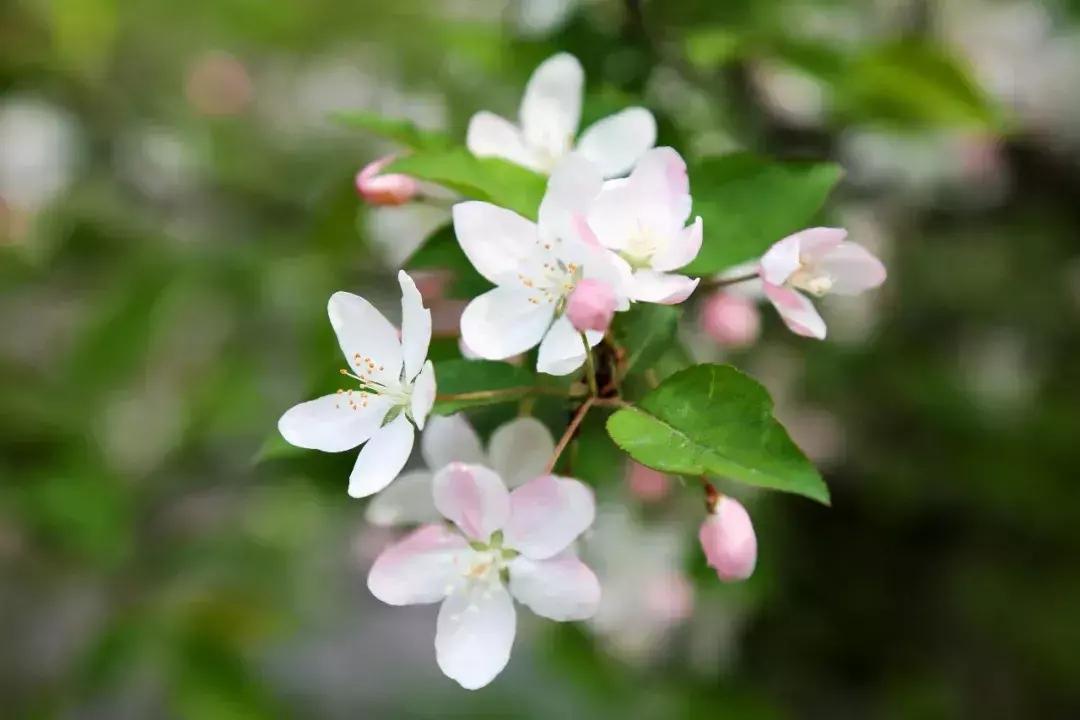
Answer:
(817, 261)
(727, 537)
(591, 305)
(731, 320)
(642, 220)
(395, 390)
(549, 116)
(506, 545)
(390, 189)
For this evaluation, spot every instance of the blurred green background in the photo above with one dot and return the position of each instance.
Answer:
(175, 209)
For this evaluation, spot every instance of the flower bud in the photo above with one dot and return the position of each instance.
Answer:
(731, 320)
(727, 537)
(591, 305)
(646, 484)
(392, 189)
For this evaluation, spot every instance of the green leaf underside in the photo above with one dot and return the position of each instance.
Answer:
(747, 203)
(714, 420)
(402, 131)
(455, 377)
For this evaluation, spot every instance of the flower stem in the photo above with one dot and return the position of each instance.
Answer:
(575, 422)
(590, 367)
(725, 282)
(502, 392)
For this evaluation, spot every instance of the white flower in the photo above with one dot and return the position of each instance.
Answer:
(549, 115)
(535, 267)
(395, 390)
(506, 544)
(518, 451)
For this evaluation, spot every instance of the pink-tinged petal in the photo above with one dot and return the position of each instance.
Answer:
(728, 539)
(663, 288)
(731, 320)
(333, 423)
(797, 311)
(406, 501)
(392, 189)
(492, 136)
(852, 268)
(681, 250)
(591, 305)
(450, 439)
(661, 178)
(616, 142)
(367, 339)
(612, 216)
(551, 109)
(503, 323)
(547, 514)
(419, 568)
(561, 588)
(574, 183)
(646, 484)
(415, 326)
(423, 395)
(494, 239)
(520, 449)
(780, 261)
(816, 243)
(475, 633)
(382, 458)
(473, 497)
(562, 350)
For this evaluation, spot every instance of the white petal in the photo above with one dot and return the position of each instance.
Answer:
(494, 239)
(382, 458)
(406, 501)
(520, 449)
(423, 395)
(547, 514)
(817, 242)
(664, 288)
(852, 268)
(574, 184)
(415, 326)
(331, 424)
(781, 260)
(551, 109)
(562, 351)
(797, 311)
(492, 136)
(616, 142)
(560, 588)
(419, 568)
(474, 634)
(368, 340)
(502, 323)
(683, 248)
(473, 497)
(450, 439)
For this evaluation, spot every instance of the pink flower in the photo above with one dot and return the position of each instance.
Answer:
(506, 545)
(591, 305)
(646, 484)
(731, 320)
(817, 261)
(727, 537)
(392, 189)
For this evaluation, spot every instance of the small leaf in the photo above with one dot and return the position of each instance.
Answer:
(484, 382)
(714, 420)
(441, 251)
(401, 131)
(748, 203)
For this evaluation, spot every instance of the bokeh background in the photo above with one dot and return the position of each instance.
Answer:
(175, 209)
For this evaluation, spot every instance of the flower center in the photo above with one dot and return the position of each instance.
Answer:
(811, 280)
(641, 247)
(487, 563)
(553, 283)
(368, 374)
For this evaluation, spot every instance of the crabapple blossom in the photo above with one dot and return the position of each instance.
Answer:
(730, 319)
(549, 116)
(591, 305)
(817, 261)
(727, 537)
(646, 484)
(389, 189)
(642, 220)
(396, 390)
(506, 546)
(535, 267)
(518, 451)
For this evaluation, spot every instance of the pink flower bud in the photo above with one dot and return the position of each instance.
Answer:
(591, 305)
(731, 320)
(646, 484)
(727, 537)
(670, 598)
(392, 189)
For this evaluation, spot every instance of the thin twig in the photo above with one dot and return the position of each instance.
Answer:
(575, 422)
(511, 392)
(590, 367)
(725, 282)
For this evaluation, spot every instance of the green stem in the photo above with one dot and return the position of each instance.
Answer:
(590, 367)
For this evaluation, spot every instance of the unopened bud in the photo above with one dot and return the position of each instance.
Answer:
(392, 189)
(727, 537)
(591, 305)
(731, 320)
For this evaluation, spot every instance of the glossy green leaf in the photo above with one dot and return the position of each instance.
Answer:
(402, 131)
(485, 382)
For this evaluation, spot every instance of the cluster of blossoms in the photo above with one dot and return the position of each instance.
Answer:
(613, 229)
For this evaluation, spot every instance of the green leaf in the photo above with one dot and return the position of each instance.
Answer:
(712, 46)
(714, 420)
(748, 203)
(502, 380)
(441, 251)
(646, 331)
(490, 179)
(401, 131)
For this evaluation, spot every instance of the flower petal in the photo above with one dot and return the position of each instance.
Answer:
(415, 326)
(520, 449)
(331, 424)
(492, 136)
(474, 634)
(663, 188)
(382, 458)
(664, 288)
(406, 501)
(419, 568)
(546, 514)
(450, 439)
(574, 184)
(560, 588)
(616, 142)
(494, 239)
(852, 268)
(815, 243)
(473, 497)
(683, 248)
(503, 322)
(551, 108)
(423, 395)
(797, 311)
(781, 260)
(368, 340)
(562, 351)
